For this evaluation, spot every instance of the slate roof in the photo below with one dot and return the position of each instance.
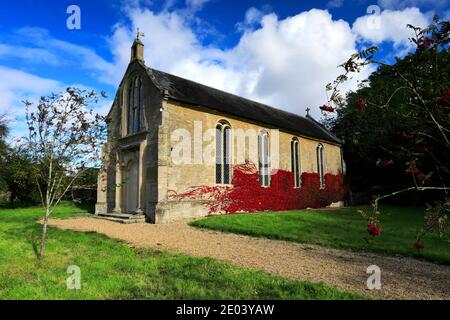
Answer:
(194, 93)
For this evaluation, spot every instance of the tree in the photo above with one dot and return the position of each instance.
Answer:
(398, 122)
(84, 188)
(17, 173)
(3, 148)
(65, 138)
(385, 139)
(3, 133)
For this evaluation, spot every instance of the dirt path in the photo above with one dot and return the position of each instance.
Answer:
(402, 278)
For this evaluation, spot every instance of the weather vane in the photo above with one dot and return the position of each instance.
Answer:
(139, 34)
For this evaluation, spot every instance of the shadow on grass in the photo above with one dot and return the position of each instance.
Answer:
(21, 223)
(34, 241)
(83, 207)
(86, 207)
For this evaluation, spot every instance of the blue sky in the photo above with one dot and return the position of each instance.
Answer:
(278, 52)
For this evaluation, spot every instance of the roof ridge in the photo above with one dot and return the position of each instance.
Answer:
(323, 127)
(233, 94)
(229, 103)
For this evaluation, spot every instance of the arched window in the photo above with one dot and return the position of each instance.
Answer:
(223, 153)
(130, 109)
(263, 159)
(295, 162)
(135, 106)
(320, 165)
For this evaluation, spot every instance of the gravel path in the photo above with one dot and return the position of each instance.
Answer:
(402, 278)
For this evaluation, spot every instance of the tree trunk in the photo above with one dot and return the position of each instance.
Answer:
(44, 234)
(12, 197)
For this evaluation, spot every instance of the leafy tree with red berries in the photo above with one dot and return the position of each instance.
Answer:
(396, 126)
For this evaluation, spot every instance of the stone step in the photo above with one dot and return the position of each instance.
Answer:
(121, 220)
(122, 215)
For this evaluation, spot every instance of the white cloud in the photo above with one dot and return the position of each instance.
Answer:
(196, 5)
(402, 4)
(20, 85)
(40, 47)
(295, 57)
(390, 26)
(30, 55)
(252, 17)
(335, 3)
(282, 62)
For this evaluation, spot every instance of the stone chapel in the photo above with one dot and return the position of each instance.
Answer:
(178, 149)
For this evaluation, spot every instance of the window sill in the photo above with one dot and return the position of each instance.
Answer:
(132, 140)
(223, 185)
(135, 134)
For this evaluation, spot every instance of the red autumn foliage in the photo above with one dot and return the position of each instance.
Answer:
(327, 108)
(445, 98)
(419, 175)
(361, 105)
(373, 229)
(247, 195)
(418, 246)
(214, 197)
(425, 43)
(431, 220)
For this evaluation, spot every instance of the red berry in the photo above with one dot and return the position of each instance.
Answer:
(361, 104)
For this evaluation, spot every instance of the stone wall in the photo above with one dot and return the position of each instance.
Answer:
(179, 178)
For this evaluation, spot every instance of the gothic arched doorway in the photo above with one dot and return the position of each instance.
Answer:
(130, 189)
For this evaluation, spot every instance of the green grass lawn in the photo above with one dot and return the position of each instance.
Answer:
(339, 228)
(111, 269)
